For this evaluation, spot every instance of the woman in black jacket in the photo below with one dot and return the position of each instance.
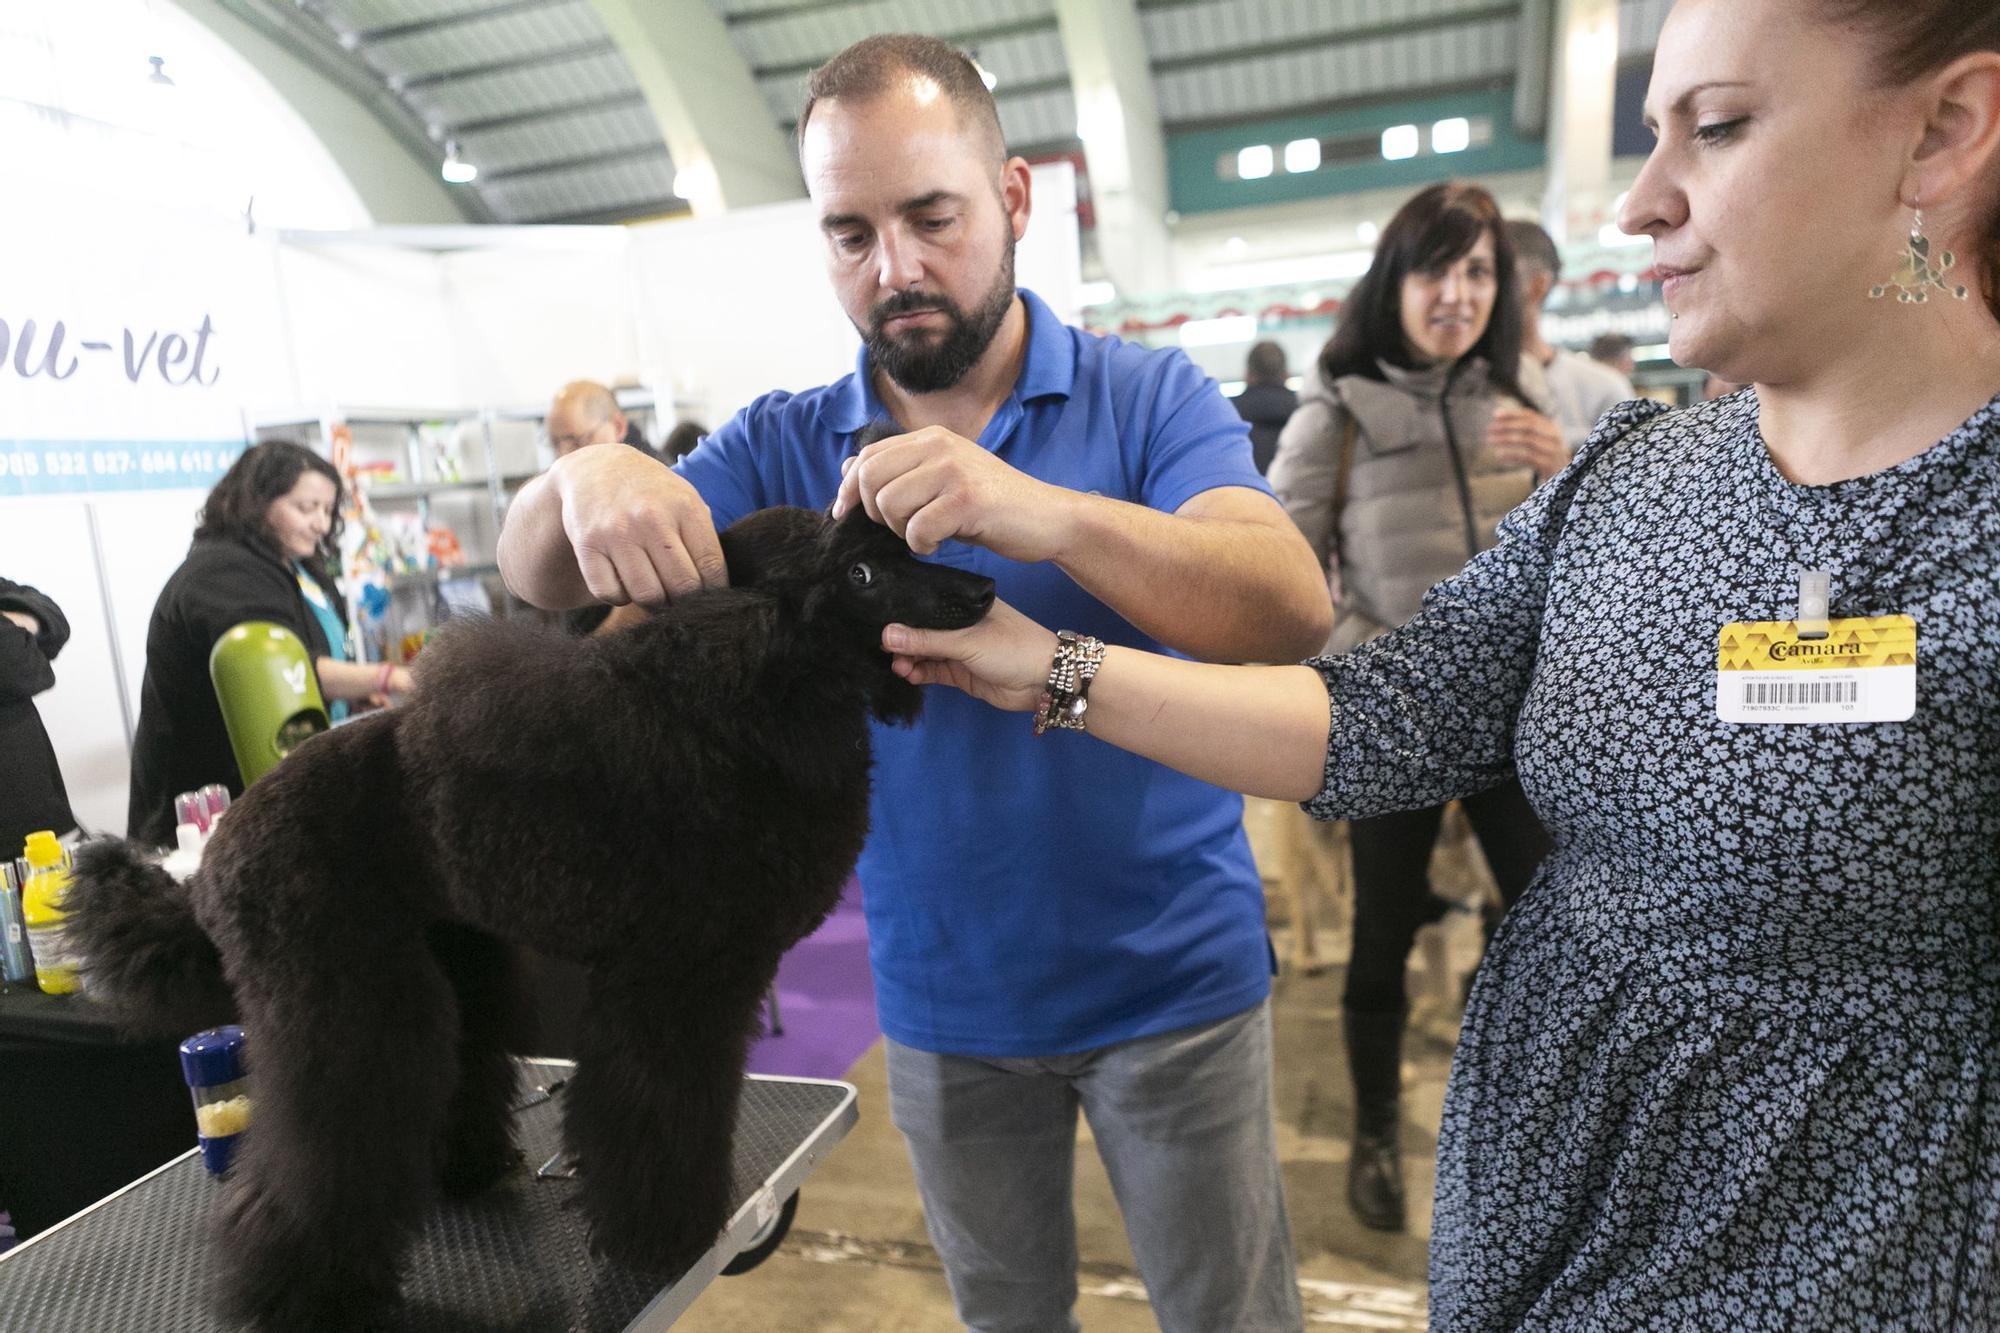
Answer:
(32, 796)
(264, 549)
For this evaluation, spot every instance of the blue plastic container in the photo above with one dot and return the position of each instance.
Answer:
(212, 1062)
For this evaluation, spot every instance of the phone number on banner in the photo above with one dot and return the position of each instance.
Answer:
(70, 467)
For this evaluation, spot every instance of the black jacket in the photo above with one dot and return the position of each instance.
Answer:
(1267, 407)
(182, 743)
(32, 795)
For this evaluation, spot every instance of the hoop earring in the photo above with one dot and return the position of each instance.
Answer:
(1919, 272)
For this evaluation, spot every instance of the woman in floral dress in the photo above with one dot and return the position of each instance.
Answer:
(1734, 1060)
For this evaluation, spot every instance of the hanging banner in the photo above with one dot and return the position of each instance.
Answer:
(127, 354)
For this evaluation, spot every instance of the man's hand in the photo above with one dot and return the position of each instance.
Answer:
(640, 533)
(931, 486)
(25, 621)
(1522, 437)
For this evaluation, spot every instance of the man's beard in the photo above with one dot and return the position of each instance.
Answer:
(923, 362)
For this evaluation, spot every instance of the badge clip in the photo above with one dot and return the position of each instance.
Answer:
(1815, 588)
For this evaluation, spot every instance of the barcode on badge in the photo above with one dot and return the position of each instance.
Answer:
(1799, 693)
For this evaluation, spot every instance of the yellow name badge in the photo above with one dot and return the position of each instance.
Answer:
(1864, 670)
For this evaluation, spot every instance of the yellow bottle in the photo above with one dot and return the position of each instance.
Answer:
(42, 910)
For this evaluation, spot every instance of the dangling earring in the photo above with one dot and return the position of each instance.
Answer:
(1918, 273)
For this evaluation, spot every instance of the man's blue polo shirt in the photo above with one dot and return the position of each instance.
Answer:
(1036, 896)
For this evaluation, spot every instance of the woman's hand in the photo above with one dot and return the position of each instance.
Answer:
(1522, 437)
(1003, 660)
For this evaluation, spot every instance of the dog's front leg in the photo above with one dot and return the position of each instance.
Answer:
(651, 1111)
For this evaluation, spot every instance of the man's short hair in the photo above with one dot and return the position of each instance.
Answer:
(873, 65)
(1265, 364)
(1535, 246)
(590, 396)
(1609, 347)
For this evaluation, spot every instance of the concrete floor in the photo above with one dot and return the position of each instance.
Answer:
(858, 1261)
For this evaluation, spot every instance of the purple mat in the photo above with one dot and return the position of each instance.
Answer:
(826, 999)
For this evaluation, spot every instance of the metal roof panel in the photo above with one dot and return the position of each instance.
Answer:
(1409, 64)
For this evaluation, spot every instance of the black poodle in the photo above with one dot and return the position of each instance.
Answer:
(672, 806)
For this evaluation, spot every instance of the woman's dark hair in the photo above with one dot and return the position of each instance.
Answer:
(1433, 230)
(682, 439)
(1917, 37)
(235, 509)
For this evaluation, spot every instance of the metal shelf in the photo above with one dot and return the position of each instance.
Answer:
(417, 490)
(424, 578)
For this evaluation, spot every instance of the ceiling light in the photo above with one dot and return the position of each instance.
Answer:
(986, 76)
(1254, 163)
(1236, 247)
(699, 185)
(1451, 136)
(455, 169)
(1302, 155)
(1399, 142)
(1368, 232)
(159, 77)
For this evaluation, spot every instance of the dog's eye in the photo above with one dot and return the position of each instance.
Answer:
(861, 575)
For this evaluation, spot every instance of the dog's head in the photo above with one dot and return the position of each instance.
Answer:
(855, 574)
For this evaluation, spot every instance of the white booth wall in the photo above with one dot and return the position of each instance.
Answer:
(103, 469)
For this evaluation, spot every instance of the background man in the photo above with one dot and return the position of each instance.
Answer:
(1583, 389)
(1265, 401)
(585, 412)
(1614, 350)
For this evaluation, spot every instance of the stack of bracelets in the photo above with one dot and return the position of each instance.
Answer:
(1063, 703)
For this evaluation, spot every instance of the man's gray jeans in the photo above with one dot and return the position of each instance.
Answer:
(1183, 1122)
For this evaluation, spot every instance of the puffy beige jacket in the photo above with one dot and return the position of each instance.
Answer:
(1423, 492)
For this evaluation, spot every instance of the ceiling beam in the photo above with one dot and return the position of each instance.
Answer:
(963, 40)
(390, 32)
(458, 74)
(488, 124)
(1119, 122)
(1582, 94)
(1327, 41)
(609, 158)
(727, 152)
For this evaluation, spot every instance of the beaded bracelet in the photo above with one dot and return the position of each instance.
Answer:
(1063, 701)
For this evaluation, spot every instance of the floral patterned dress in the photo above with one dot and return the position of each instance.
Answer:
(1733, 1062)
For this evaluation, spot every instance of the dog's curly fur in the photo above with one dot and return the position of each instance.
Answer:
(672, 806)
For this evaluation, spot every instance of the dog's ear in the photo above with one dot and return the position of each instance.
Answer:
(881, 428)
(896, 701)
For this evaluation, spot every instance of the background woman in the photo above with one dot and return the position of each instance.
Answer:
(264, 549)
(1412, 441)
(1732, 1062)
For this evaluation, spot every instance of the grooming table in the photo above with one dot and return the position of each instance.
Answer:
(513, 1259)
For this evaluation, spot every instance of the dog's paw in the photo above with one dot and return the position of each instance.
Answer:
(272, 1300)
(660, 1257)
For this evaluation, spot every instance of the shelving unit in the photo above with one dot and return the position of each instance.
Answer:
(417, 472)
